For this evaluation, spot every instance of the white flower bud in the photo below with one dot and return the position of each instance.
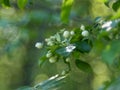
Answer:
(47, 39)
(52, 59)
(82, 27)
(52, 37)
(50, 43)
(49, 54)
(66, 34)
(67, 59)
(72, 33)
(85, 33)
(39, 45)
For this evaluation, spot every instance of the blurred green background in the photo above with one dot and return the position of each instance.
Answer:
(21, 29)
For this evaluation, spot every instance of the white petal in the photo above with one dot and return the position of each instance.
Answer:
(70, 48)
(107, 24)
(109, 28)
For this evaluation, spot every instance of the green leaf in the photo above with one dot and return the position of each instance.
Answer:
(58, 37)
(116, 15)
(111, 51)
(98, 19)
(52, 83)
(21, 3)
(116, 5)
(83, 46)
(6, 2)
(113, 85)
(62, 51)
(77, 37)
(99, 46)
(42, 60)
(83, 66)
(65, 12)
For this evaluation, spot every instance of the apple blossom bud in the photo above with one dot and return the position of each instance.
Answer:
(52, 59)
(82, 27)
(72, 33)
(66, 34)
(85, 33)
(67, 59)
(39, 45)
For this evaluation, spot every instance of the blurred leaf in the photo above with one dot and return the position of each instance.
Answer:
(115, 23)
(98, 19)
(21, 3)
(66, 8)
(83, 46)
(113, 85)
(52, 83)
(58, 37)
(111, 51)
(107, 2)
(99, 46)
(116, 5)
(77, 37)
(6, 2)
(116, 15)
(83, 66)
(42, 60)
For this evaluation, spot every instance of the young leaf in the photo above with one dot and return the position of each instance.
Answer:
(21, 3)
(83, 66)
(65, 12)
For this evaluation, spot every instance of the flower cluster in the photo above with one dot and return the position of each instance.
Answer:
(60, 39)
(64, 42)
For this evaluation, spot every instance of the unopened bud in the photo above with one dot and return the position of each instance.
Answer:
(67, 59)
(66, 34)
(85, 33)
(39, 45)
(72, 33)
(52, 59)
